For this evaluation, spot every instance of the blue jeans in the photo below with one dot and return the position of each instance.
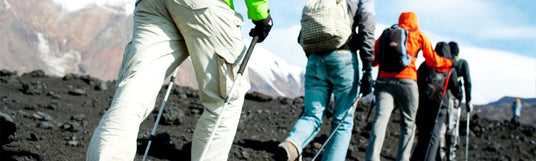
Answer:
(333, 73)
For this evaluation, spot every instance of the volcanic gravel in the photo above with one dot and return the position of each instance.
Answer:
(53, 118)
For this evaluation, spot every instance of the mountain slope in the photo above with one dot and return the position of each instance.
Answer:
(501, 110)
(90, 39)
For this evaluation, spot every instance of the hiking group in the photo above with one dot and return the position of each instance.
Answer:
(166, 32)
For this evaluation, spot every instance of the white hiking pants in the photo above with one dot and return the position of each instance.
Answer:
(165, 33)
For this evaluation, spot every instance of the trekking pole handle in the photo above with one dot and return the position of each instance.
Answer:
(248, 54)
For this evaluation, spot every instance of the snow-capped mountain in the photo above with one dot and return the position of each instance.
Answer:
(273, 71)
(88, 38)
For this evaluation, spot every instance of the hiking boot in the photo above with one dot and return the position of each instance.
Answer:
(286, 151)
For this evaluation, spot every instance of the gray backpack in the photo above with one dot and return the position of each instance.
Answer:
(325, 25)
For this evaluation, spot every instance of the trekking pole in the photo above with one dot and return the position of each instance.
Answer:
(228, 98)
(171, 80)
(437, 115)
(352, 108)
(467, 134)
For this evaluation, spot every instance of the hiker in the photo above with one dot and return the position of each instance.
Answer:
(400, 89)
(166, 33)
(464, 75)
(516, 111)
(429, 120)
(334, 72)
(449, 136)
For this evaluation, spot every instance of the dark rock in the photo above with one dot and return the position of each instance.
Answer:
(8, 128)
(244, 153)
(101, 86)
(285, 100)
(298, 101)
(71, 126)
(35, 73)
(492, 148)
(395, 133)
(31, 107)
(190, 93)
(7, 73)
(42, 116)
(529, 132)
(45, 125)
(180, 93)
(196, 111)
(475, 117)
(70, 77)
(360, 117)
(317, 145)
(33, 88)
(79, 117)
(51, 106)
(86, 78)
(356, 129)
(195, 108)
(77, 92)
(476, 128)
(256, 96)
(72, 143)
(53, 95)
(161, 145)
(33, 137)
(172, 116)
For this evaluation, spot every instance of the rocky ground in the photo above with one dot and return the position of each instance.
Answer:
(54, 118)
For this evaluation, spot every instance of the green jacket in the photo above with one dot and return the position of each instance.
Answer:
(257, 9)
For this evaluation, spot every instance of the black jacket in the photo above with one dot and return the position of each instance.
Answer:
(463, 73)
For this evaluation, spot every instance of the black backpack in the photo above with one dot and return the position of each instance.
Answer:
(431, 82)
(393, 49)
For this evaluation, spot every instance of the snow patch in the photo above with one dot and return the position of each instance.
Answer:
(58, 64)
(7, 5)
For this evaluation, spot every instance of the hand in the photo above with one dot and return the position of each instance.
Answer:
(366, 83)
(262, 28)
(353, 43)
(469, 106)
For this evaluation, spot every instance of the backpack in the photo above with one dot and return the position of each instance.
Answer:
(325, 25)
(431, 82)
(393, 50)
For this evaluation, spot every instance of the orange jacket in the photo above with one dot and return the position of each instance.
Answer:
(416, 40)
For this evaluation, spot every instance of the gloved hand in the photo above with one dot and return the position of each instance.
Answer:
(262, 28)
(366, 83)
(354, 43)
(469, 107)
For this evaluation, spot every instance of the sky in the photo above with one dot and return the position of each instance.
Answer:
(496, 37)
(491, 24)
